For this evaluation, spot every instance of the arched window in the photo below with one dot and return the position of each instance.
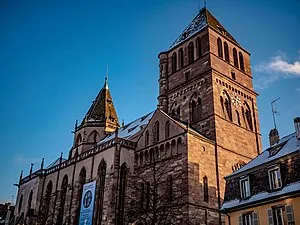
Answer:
(146, 156)
(248, 117)
(235, 58)
(238, 117)
(146, 138)
(29, 210)
(174, 62)
(78, 140)
(81, 181)
(199, 47)
(191, 52)
(122, 194)
(242, 67)
(20, 204)
(141, 158)
(178, 113)
(170, 188)
(136, 159)
(226, 52)
(156, 153)
(220, 48)
(181, 58)
(63, 194)
(151, 155)
(156, 132)
(93, 137)
(167, 129)
(100, 191)
(227, 106)
(195, 108)
(47, 202)
(205, 189)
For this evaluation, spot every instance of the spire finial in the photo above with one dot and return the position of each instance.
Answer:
(204, 1)
(106, 78)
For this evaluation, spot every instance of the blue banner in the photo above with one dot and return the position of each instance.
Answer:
(87, 204)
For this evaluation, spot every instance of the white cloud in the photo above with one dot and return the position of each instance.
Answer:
(276, 68)
(297, 89)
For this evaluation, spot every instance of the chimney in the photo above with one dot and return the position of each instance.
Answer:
(297, 127)
(273, 137)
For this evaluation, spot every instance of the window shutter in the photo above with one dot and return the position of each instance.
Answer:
(289, 213)
(255, 219)
(270, 216)
(240, 220)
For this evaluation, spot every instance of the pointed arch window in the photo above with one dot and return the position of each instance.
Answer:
(78, 140)
(248, 117)
(220, 48)
(226, 106)
(178, 113)
(100, 191)
(63, 194)
(174, 62)
(122, 194)
(146, 156)
(235, 58)
(81, 182)
(147, 138)
(242, 67)
(156, 132)
(226, 52)
(196, 109)
(191, 52)
(29, 210)
(181, 58)
(238, 117)
(141, 158)
(47, 202)
(199, 47)
(167, 129)
(20, 204)
(205, 189)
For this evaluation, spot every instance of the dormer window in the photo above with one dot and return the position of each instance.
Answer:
(275, 180)
(245, 187)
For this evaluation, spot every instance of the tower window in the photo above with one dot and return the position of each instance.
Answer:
(220, 49)
(226, 105)
(122, 192)
(167, 129)
(191, 52)
(235, 58)
(181, 58)
(226, 52)
(146, 138)
(196, 109)
(238, 117)
(233, 75)
(205, 188)
(242, 67)
(174, 62)
(178, 113)
(156, 132)
(248, 117)
(199, 47)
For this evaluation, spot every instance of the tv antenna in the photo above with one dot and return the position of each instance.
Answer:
(274, 111)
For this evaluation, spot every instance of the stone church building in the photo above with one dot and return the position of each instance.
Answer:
(166, 167)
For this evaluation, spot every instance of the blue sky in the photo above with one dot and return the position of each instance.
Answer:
(53, 57)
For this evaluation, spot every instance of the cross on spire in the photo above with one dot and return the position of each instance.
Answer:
(106, 78)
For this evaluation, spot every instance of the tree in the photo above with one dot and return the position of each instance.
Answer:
(158, 193)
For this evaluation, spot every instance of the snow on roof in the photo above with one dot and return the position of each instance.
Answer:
(290, 146)
(130, 129)
(55, 163)
(262, 196)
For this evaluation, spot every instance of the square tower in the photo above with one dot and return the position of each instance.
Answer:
(205, 79)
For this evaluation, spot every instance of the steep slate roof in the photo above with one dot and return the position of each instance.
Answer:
(202, 20)
(131, 130)
(287, 145)
(102, 109)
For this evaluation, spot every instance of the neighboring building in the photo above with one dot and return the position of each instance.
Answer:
(267, 189)
(206, 124)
